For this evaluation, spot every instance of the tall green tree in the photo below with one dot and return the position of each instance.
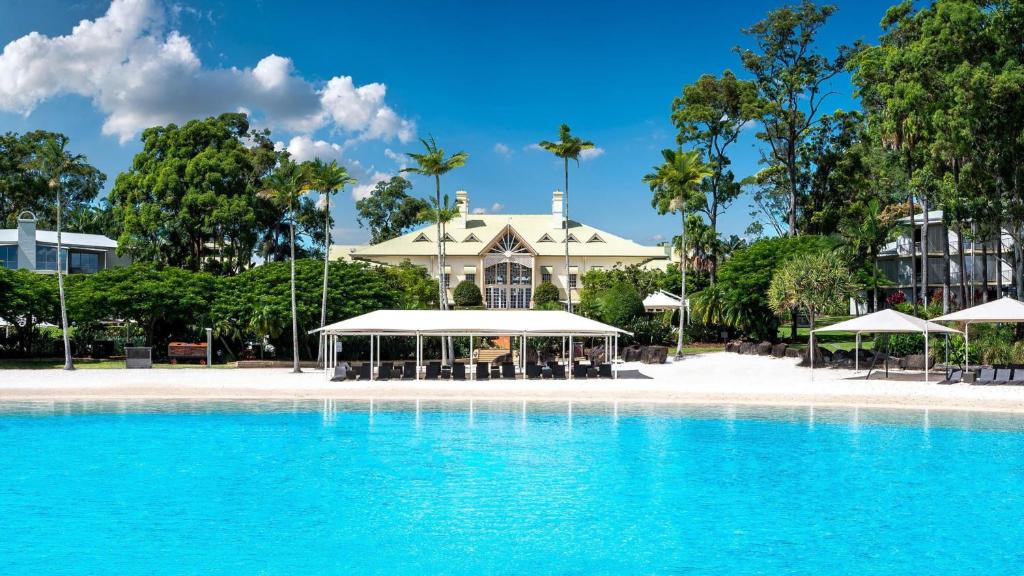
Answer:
(433, 163)
(673, 183)
(326, 178)
(567, 147)
(389, 211)
(711, 114)
(817, 283)
(792, 78)
(285, 187)
(194, 189)
(22, 187)
(56, 165)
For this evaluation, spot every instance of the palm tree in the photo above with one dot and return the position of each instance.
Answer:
(567, 146)
(326, 179)
(284, 187)
(672, 183)
(53, 162)
(433, 163)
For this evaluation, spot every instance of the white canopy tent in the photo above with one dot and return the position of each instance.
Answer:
(883, 321)
(661, 301)
(419, 323)
(1005, 309)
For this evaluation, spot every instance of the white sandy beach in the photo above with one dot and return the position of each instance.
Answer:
(714, 378)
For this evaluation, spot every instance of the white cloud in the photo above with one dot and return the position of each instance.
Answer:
(138, 73)
(304, 148)
(658, 238)
(367, 184)
(495, 208)
(502, 149)
(533, 146)
(591, 153)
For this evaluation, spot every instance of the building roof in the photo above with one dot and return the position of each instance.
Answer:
(343, 252)
(934, 216)
(661, 301)
(69, 239)
(482, 322)
(534, 229)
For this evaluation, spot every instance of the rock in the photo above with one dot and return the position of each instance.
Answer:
(915, 362)
(747, 348)
(653, 354)
(779, 350)
(732, 346)
(632, 353)
(793, 353)
(822, 358)
(764, 349)
(840, 355)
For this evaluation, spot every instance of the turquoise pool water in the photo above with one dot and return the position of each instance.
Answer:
(333, 488)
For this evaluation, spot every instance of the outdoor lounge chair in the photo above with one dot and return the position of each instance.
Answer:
(483, 371)
(604, 370)
(433, 371)
(1003, 375)
(364, 371)
(385, 370)
(579, 371)
(558, 371)
(986, 376)
(533, 371)
(409, 372)
(1017, 378)
(508, 371)
(953, 375)
(459, 371)
(341, 372)
(352, 373)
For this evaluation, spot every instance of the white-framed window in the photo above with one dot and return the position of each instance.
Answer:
(572, 281)
(471, 277)
(9, 257)
(446, 279)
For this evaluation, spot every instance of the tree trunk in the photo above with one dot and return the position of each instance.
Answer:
(984, 271)
(327, 260)
(713, 220)
(682, 268)
(1018, 264)
(568, 290)
(945, 268)
(874, 282)
(68, 363)
(913, 253)
(963, 265)
(924, 253)
(295, 318)
(999, 260)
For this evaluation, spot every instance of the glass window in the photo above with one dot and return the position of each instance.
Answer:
(471, 277)
(84, 263)
(572, 281)
(46, 258)
(446, 279)
(545, 276)
(9, 257)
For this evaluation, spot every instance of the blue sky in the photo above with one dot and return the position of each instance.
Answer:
(487, 78)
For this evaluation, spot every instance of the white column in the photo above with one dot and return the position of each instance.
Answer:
(926, 353)
(615, 356)
(568, 362)
(856, 353)
(371, 357)
(471, 366)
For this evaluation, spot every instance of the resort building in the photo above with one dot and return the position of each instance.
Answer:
(507, 256)
(27, 248)
(984, 269)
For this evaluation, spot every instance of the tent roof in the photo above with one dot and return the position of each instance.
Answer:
(476, 322)
(661, 300)
(887, 321)
(1003, 310)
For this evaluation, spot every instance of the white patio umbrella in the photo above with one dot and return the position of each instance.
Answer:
(884, 321)
(660, 301)
(1005, 309)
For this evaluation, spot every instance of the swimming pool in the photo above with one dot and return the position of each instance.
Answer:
(506, 488)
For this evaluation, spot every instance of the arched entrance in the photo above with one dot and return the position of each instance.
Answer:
(508, 274)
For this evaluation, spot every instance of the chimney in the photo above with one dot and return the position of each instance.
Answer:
(27, 240)
(557, 219)
(462, 199)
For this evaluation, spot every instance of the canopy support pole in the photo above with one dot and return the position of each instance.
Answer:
(856, 354)
(925, 353)
(810, 353)
(615, 356)
(472, 366)
(371, 357)
(419, 354)
(568, 364)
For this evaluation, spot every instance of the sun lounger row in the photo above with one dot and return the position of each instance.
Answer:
(457, 371)
(996, 375)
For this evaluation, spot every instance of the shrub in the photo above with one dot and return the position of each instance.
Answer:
(545, 294)
(620, 304)
(467, 295)
(649, 331)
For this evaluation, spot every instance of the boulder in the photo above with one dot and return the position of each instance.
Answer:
(793, 353)
(747, 348)
(779, 350)
(653, 354)
(631, 353)
(841, 355)
(764, 348)
(915, 362)
(822, 358)
(732, 346)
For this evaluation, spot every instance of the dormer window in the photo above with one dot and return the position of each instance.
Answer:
(421, 238)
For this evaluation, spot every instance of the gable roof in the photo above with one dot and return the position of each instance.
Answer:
(529, 227)
(69, 239)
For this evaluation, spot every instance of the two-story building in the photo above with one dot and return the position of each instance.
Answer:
(27, 248)
(508, 255)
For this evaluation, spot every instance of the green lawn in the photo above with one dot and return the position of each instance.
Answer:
(698, 348)
(85, 363)
(831, 341)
